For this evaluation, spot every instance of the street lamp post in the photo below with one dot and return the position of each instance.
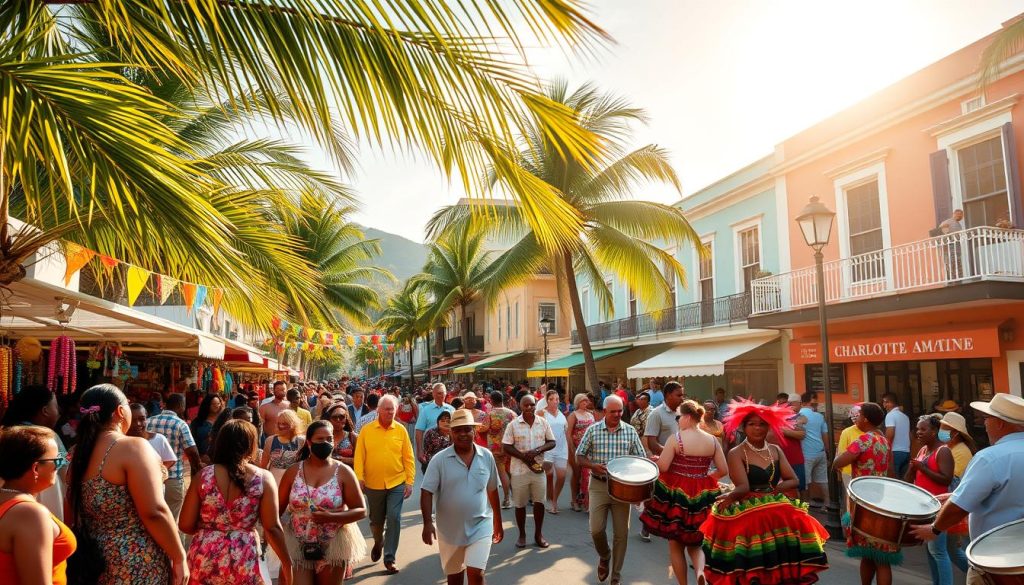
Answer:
(815, 221)
(545, 329)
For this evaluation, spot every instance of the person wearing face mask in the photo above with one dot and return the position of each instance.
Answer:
(321, 500)
(34, 543)
(953, 432)
(115, 499)
(932, 471)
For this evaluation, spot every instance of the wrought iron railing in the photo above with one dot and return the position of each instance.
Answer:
(982, 253)
(689, 317)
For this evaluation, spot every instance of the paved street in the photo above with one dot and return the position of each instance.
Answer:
(571, 558)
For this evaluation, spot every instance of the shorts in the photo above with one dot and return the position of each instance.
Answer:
(455, 559)
(528, 486)
(558, 462)
(816, 468)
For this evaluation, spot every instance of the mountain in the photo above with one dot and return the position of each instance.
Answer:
(402, 256)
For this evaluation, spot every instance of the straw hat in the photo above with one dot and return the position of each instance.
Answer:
(947, 405)
(956, 422)
(463, 418)
(470, 395)
(1003, 406)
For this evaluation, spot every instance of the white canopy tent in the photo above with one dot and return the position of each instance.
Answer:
(698, 359)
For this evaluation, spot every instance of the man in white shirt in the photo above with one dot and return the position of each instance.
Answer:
(897, 430)
(525, 441)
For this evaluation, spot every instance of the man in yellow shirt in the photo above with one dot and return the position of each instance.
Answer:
(846, 438)
(386, 468)
(294, 400)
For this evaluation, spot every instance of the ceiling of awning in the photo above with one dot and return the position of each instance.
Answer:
(31, 310)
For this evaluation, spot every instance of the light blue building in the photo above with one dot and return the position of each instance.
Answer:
(704, 339)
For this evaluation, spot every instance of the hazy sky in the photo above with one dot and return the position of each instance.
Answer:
(723, 82)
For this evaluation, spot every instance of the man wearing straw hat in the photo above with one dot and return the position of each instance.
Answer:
(464, 479)
(993, 481)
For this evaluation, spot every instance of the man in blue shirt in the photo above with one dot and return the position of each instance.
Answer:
(993, 481)
(813, 445)
(654, 391)
(427, 418)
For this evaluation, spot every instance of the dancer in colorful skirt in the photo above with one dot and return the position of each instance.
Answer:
(685, 490)
(755, 534)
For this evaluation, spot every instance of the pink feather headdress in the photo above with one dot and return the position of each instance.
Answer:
(779, 418)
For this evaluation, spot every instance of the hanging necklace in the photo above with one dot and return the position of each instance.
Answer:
(13, 491)
(764, 453)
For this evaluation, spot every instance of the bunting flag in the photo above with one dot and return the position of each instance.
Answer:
(167, 286)
(218, 296)
(75, 258)
(188, 291)
(375, 339)
(200, 297)
(136, 281)
(275, 323)
(109, 264)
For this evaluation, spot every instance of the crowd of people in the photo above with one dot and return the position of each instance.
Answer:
(158, 492)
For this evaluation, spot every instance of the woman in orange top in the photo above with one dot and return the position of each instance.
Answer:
(34, 544)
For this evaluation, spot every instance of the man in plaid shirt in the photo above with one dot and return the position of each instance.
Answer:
(604, 441)
(169, 423)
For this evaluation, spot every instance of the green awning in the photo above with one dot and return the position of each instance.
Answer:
(488, 361)
(561, 366)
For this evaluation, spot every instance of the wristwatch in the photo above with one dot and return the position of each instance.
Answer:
(935, 530)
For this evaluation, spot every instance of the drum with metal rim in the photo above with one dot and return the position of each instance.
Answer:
(631, 479)
(882, 508)
(998, 556)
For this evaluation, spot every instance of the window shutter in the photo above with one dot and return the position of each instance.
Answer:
(1012, 176)
(940, 186)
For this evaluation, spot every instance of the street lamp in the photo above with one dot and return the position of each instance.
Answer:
(545, 329)
(815, 221)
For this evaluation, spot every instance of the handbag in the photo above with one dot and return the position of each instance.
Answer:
(87, 563)
(312, 551)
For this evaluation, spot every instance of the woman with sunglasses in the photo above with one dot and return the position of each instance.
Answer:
(34, 544)
(344, 437)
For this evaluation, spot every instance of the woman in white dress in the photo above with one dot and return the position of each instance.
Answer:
(556, 460)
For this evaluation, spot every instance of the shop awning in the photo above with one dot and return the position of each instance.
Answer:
(560, 368)
(31, 311)
(486, 363)
(443, 366)
(704, 359)
(405, 371)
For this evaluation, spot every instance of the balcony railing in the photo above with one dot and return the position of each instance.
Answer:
(982, 253)
(454, 344)
(693, 316)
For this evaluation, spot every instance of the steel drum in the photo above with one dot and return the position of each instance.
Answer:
(998, 556)
(883, 508)
(631, 479)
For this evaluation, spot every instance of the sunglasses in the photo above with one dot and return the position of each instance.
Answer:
(338, 417)
(58, 462)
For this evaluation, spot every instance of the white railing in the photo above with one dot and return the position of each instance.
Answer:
(983, 253)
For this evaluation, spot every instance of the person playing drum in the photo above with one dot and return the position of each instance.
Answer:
(991, 488)
(756, 534)
(602, 442)
(869, 455)
(685, 490)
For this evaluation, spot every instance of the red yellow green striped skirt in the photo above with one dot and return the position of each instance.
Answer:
(678, 507)
(764, 539)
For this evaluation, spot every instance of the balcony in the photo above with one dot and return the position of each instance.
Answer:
(691, 317)
(975, 255)
(454, 344)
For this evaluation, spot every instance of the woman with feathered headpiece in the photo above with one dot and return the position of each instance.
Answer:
(756, 534)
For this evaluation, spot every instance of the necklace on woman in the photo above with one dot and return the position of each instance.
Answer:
(13, 491)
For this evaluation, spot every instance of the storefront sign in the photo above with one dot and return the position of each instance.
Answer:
(928, 345)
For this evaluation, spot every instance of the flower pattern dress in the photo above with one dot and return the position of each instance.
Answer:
(872, 451)
(224, 549)
(343, 544)
(494, 426)
(132, 556)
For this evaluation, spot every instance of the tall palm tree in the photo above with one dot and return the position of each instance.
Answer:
(458, 272)
(620, 235)
(78, 132)
(405, 319)
(1007, 42)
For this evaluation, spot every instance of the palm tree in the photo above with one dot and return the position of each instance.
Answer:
(1006, 43)
(369, 354)
(457, 273)
(620, 235)
(405, 319)
(81, 137)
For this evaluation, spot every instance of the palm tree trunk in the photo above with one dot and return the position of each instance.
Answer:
(465, 336)
(412, 375)
(589, 367)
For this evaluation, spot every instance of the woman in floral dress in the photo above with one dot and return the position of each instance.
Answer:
(869, 455)
(438, 438)
(578, 422)
(494, 428)
(221, 510)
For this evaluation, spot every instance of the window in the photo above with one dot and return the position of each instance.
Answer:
(750, 254)
(611, 292)
(499, 322)
(508, 321)
(975, 103)
(549, 311)
(670, 277)
(585, 304)
(706, 273)
(864, 219)
(632, 302)
(517, 319)
(983, 182)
